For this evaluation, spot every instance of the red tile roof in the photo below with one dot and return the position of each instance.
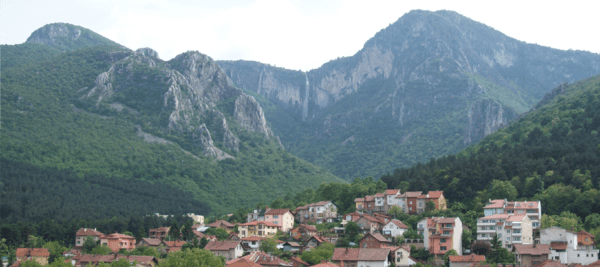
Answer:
(221, 222)
(497, 216)
(550, 263)
(558, 245)
(582, 232)
(522, 205)
(447, 220)
(242, 262)
(89, 258)
(413, 194)
(360, 199)
(369, 198)
(360, 254)
(262, 258)
(540, 249)
(469, 258)
(152, 241)
(88, 231)
(392, 191)
(222, 245)
(495, 204)
(377, 237)
(516, 218)
(299, 261)
(435, 194)
(308, 227)
(175, 243)
(32, 252)
(326, 264)
(594, 264)
(117, 236)
(380, 195)
(399, 223)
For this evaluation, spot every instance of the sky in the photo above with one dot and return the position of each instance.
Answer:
(294, 34)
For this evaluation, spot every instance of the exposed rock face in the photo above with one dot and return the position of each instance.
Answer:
(422, 68)
(67, 37)
(186, 91)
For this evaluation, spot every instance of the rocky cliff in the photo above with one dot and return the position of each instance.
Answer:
(67, 37)
(189, 95)
(430, 83)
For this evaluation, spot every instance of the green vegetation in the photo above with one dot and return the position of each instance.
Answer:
(46, 125)
(514, 99)
(85, 38)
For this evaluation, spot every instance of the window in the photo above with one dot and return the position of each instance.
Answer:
(442, 248)
(275, 216)
(517, 231)
(443, 240)
(508, 246)
(508, 231)
(446, 232)
(517, 238)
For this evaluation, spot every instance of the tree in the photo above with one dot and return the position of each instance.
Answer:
(192, 257)
(467, 238)
(397, 212)
(352, 230)
(55, 249)
(480, 248)
(451, 252)
(269, 245)
(429, 205)
(592, 221)
(503, 190)
(174, 231)
(187, 231)
(316, 255)
(101, 250)
(89, 244)
(219, 232)
(533, 185)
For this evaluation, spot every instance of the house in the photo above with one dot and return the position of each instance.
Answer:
(416, 202)
(530, 255)
(394, 228)
(118, 241)
(369, 224)
(533, 209)
(569, 247)
(360, 203)
(357, 257)
(71, 253)
(594, 264)
(303, 232)
(291, 246)
(315, 241)
(297, 262)
(242, 262)
(325, 264)
(234, 236)
(353, 217)
(39, 255)
(320, 212)
(257, 215)
(199, 219)
(510, 229)
(390, 198)
(375, 240)
(83, 233)
(281, 217)
(160, 233)
(552, 263)
(94, 260)
(222, 224)
(228, 249)
(441, 234)
(251, 243)
(401, 256)
(258, 228)
(171, 246)
(465, 261)
(149, 242)
(265, 259)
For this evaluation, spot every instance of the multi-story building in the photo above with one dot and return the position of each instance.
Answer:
(39, 255)
(390, 198)
(229, 249)
(530, 255)
(569, 247)
(357, 257)
(533, 209)
(118, 241)
(510, 229)
(282, 217)
(82, 235)
(257, 228)
(227, 226)
(360, 203)
(257, 215)
(160, 233)
(441, 234)
(323, 211)
(409, 202)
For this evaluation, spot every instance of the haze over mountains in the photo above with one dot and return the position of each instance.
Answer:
(235, 133)
(428, 85)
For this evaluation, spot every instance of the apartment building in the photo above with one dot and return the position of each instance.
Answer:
(510, 229)
(441, 234)
(533, 209)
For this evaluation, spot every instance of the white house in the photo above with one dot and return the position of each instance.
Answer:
(394, 228)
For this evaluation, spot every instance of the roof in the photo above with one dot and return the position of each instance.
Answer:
(320, 203)
(540, 249)
(360, 254)
(594, 264)
(175, 243)
(277, 211)
(522, 205)
(326, 264)
(582, 232)
(262, 258)
(369, 198)
(359, 199)
(260, 222)
(495, 204)
(242, 262)
(293, 244)
(308, 227)
(32, 252)
(88, 231)
(550, 263)
(435, 194)
(516, 218)
(377, 237)
(152, 241)
(413, 194)
(222, 245)
(298, 260)
(110, 258)
(398, 223)
(558, 245)
(221, 222)
(116, 235)
(447, 220)
(380, 195)
(392, 191)
(468, 258)
(160, 229)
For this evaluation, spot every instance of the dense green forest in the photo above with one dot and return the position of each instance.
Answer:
(551, 154)
(45, 124)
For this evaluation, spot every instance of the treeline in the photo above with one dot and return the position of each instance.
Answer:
(551, 154)
(33, 194)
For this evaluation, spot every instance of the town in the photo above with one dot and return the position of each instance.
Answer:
(373, 235)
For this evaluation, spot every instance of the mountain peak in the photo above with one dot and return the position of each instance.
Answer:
(67, 37)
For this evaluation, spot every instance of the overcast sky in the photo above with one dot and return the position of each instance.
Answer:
(294, 34)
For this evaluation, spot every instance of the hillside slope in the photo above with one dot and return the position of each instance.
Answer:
(110, 111)
(428, 85)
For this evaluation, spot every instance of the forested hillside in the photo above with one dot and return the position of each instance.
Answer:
(551, 154)
(48, 121)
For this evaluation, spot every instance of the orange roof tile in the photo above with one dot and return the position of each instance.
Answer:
(558, 245)
(360, 254)
(550, 263)
(468, 258)
(277, 211)
(326, 264)
(540, 249)
(222, 245)
(88, 231)
(242, 262)
(392, 191)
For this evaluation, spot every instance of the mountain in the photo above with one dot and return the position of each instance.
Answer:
(551, 154)
(428, 85)
(67, 37)
(107, 111)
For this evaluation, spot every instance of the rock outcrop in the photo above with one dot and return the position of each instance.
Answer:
(67, 37)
